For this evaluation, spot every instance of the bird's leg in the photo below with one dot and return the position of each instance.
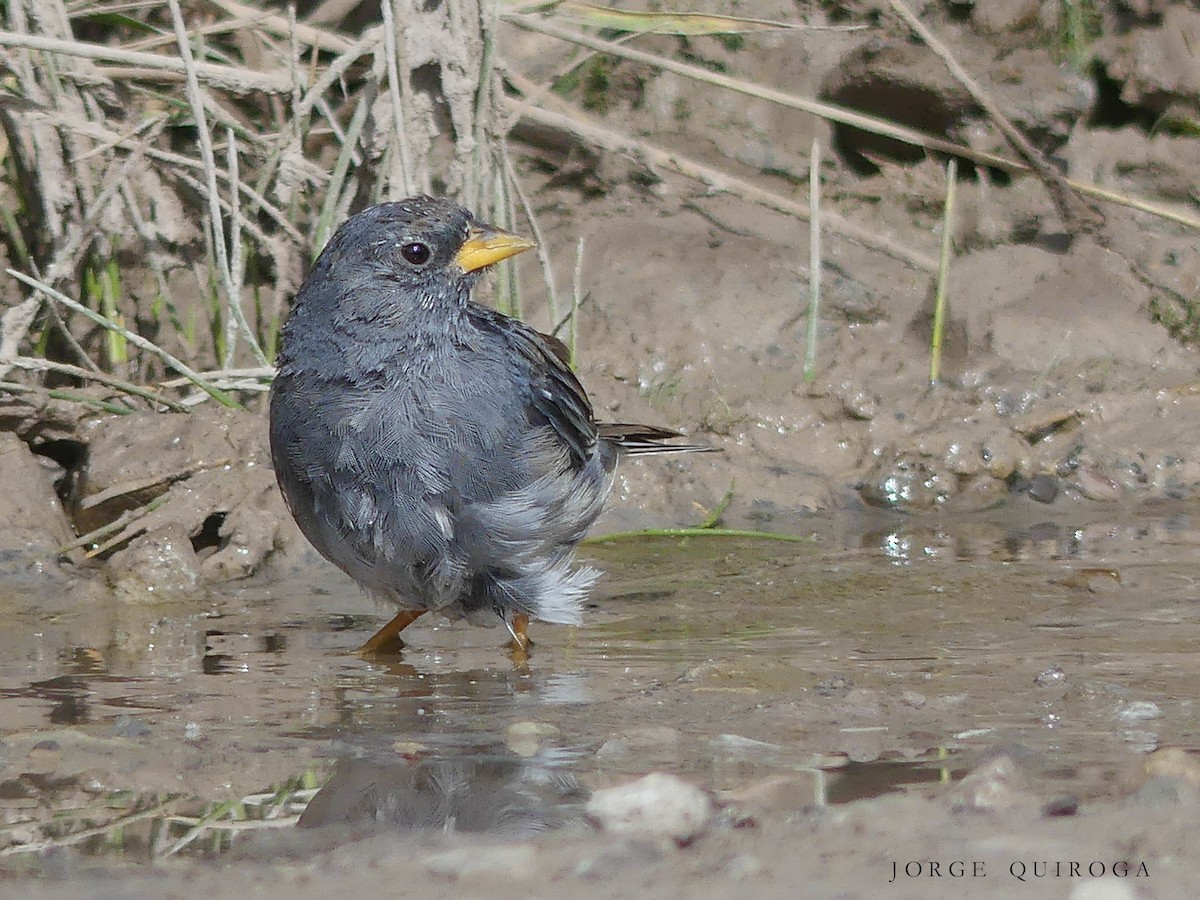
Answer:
(391, 631)
(518, 627)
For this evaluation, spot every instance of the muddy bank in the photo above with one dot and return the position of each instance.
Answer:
(1065, 380)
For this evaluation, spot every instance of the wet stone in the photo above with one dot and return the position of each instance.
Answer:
(1042, 488)
(508, 863)
(641, 743)
(1102, 889)
(907, 483)
(625, 853)
(1049, 677)
(783, 794)
(1095, 485)
(1160, 791)
(1061, 806)
(658, 805)
(529, 738)
(157, 567)
(1174, 762)
(744, 866)
(835, 686)
(996, 784)
(1139, 711)
(738, 747)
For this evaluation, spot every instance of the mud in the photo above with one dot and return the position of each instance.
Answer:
(979, 656)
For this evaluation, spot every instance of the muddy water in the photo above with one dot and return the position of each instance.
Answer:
(872, 657)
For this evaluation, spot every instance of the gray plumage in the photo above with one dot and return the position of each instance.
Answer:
(440, 453)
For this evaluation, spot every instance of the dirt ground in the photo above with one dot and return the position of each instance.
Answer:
(976, 674)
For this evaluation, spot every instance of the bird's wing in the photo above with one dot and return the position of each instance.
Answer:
(555, 394)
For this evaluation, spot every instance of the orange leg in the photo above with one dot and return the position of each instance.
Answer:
(391, 631)
(519, 629)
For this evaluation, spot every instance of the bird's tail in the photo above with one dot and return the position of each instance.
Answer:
(636, 440)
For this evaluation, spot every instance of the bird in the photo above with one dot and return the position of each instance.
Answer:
(442, 454)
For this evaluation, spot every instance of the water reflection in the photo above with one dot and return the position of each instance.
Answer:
(902, 637)
(480, 789)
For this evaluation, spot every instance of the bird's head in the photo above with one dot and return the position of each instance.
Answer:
(428, 247)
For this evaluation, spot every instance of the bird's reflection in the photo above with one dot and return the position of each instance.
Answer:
(485, 789)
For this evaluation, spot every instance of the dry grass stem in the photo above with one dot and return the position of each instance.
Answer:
(230, 78)
(233, 302)
(814, 260)
(594, 133)
(543, 252)
(833, 113)
(943, 278)
(136, 339)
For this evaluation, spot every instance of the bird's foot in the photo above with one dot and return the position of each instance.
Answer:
(520, 645)
(387, 639)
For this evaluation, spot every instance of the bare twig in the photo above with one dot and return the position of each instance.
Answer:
(592, 132)
(230, 78)
(216, 223)
(543, 252)
(136, 339)
(833, 113)
(397, 92)
(37, 364)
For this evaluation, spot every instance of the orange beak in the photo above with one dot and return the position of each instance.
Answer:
(486, 245)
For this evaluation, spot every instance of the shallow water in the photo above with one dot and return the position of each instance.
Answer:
(881, 656)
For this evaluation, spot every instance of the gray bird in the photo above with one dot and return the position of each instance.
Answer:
(441, 454)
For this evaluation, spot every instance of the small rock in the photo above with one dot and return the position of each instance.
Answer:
(1042, 488)
(780, 794)
(504, 863)
(1102, 889)
(160, 566)
(1159, 792)
(742, 867)
(1003, 16)
(658, 805)
(1051, 676)
(742, 747)
(907, 483)
(1174, 762)
(528, 738)
(1066, 805)
(1139, 711)
(1095, 485)
(996, 784)
(625, 854)
(835, 686)
(129, 727)
(641, 742)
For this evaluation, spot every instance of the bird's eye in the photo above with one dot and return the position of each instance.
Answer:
(417, 254)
